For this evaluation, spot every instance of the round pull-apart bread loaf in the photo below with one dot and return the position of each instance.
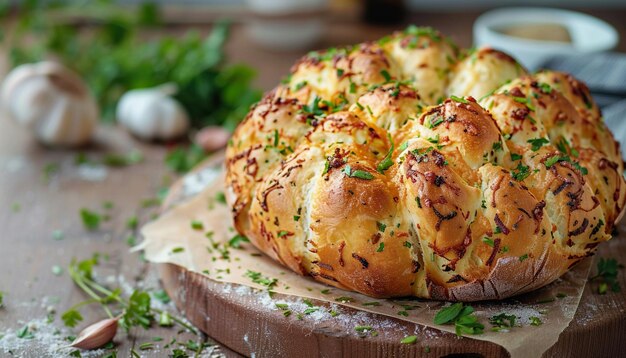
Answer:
(405, 167)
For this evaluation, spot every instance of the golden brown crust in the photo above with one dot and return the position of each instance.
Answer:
(358, 173)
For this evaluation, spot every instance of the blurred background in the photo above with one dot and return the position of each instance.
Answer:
(216, 57)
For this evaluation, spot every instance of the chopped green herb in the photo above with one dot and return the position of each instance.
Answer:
(220, 197)
(387, 161)
(434, 123)
(177, 250)
(551, 161)
(71, 317)
(521, 172)
(132, 222)
(462, 317)
(91, 220)
(122, 160)
(197, 225)
(409, 340)
(237, 240)
(344, 299)
(535, 321)
(503, 320)
(257, 278)
(448, 314)
(488, 241)
(607, 275)
(525, 101)
(360, 174)
(545, 88)
(537, 143)
(25, 333)
(373, 303)
(523, 257)
(459, 99)
(385, 75)
(381, 247)
(300, 85)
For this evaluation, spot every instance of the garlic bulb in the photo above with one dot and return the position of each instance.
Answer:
(53, 101)
(152, 113)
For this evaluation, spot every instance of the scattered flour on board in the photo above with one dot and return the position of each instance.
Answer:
(51, 341)
(345, 319)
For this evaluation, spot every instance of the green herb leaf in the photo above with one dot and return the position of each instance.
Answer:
(236, 241)
(607, 271)
(537, 143)
(448, 314)
(197, 225)
(71, 317)
(24, 333)
(91, 220)
(138, 312)
(459, 99)
(521, 172)
(409, 340)
(387, 162)
(385, 75)
(503, 320)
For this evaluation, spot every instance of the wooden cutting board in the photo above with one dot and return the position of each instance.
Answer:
(248, 323)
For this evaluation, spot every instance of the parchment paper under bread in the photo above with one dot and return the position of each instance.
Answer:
(173, 239)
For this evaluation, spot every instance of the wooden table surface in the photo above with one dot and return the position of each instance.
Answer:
(33, 208)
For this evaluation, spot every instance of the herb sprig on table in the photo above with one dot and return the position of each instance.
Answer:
(607, 275)
(133, 311)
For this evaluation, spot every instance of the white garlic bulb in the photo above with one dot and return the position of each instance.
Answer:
(53, 101)
(153, 113)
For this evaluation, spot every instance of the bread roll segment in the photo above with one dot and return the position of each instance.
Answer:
(405, 167)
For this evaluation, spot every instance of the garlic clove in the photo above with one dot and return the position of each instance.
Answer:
(153, 114)
(52, 101)
(97, 334)
(212, 138)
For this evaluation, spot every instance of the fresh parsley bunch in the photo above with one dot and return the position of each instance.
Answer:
(115, 51)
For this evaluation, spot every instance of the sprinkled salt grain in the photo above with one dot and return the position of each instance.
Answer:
(91, 172)
(48, 341)
(345, 321)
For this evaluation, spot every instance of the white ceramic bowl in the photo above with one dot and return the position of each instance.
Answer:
(588, 34)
